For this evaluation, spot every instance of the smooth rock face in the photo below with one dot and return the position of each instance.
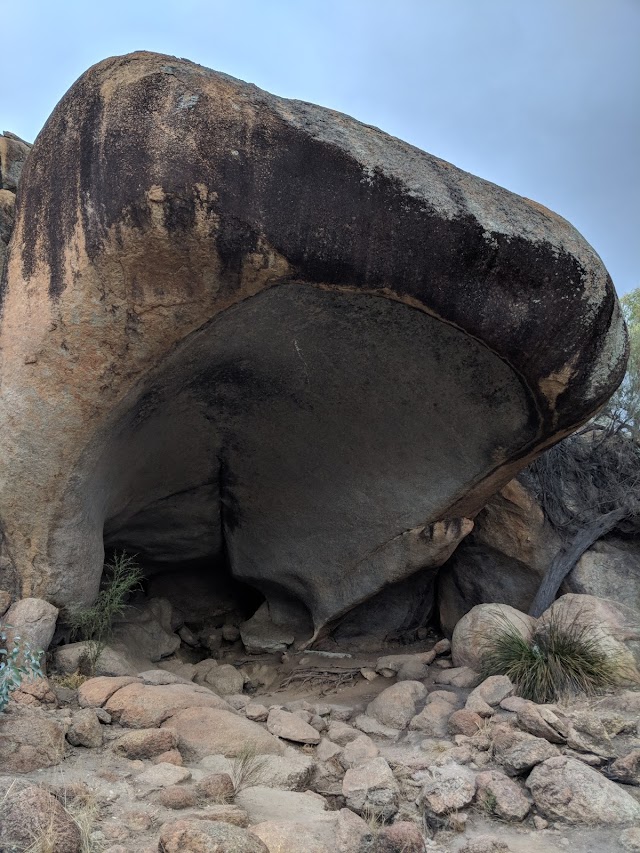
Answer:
(211, 731)
(290, 727)
(396, 706)
(371, 787)
(250, 291)
(34, 621)
(207, 836)
(567, 790)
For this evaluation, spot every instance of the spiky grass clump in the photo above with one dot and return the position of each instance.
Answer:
(559, 661)
(248, 768)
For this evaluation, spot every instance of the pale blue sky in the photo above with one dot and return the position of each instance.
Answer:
(540, 96)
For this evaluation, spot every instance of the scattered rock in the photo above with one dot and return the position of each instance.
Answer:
(493, 690)
(402, 837)
(460, 676)
(464, 722)
(371, 787)
(518, 752)
(501, 796)
(112, 662)
(485, 844)
(85, 729)
(205, 731)
(627, 768)
(450, 788)
(290, 727)
(224, 680)
(433, 720)
(171, 756)
(567, 790)
(357, 751)
(341, 733)
(471, 634)
(29, 814)
(260, 635)
(29, 740)
(163, 775)
(396, 706)
(145, 743)
(204, 836)
(177, 797)
(542, 722)
(216, 787)
(442, 647)
(327, 750)
(371, 726)
(256, 712)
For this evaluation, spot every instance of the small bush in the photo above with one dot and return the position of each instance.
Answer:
(560, 661)
(17, 661)
(122, 575)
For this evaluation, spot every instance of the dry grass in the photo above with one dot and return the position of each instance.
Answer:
(71, 680)
(248, 768)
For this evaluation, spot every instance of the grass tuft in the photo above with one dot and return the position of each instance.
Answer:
(561, 661)
(248, 768)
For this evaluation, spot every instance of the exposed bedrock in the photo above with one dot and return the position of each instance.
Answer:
(256, 332)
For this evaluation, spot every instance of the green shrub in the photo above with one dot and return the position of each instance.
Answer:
(17, 661)
(94, 624)
(559, 661)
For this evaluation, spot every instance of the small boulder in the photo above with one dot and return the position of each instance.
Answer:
(433, 719)
(290, 726)
(357, 751)
(501, 796)
(30, 740)
(29, 814)
(569, 791)
(396, 706)
(464, 722)
(85, 729)
(163, 775)
(518, 752)
(206, 836)
(402, 837)
(145, 743)
(259, 634)
(142, 706)
(493, 690)
(216, 787)
(460, 676)
(451, 787)
(627, 768)
(262, 803)
(371, 788)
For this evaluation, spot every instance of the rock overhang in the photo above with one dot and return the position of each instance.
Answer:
(190, 251)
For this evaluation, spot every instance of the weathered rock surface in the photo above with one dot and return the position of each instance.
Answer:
(212, 731)
(142, 706)
(205, 836)
(30, 815)
(371, 788)
(29, 740)
(567, 790)
(211, 330)
(290, 727)
(396, 706)
(33, 620)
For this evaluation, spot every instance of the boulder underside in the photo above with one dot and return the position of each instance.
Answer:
(256, 335)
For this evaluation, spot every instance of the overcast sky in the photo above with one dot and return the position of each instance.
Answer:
(540, 96)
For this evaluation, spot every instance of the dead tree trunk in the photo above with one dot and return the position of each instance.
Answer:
(569, 555)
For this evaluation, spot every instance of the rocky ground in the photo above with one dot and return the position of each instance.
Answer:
(392, 750)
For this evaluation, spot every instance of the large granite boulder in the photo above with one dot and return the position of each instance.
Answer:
(257, 333)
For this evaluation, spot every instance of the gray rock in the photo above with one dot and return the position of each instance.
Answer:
(396, 706)
(262, 803)
(501, 796)
(451, 787)
(285, 725)
(472, 633)
(162, 775)
(32, 619)
(567, 790)
(518, 752)
(85, 729)
(371, 788)
(260, 634)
